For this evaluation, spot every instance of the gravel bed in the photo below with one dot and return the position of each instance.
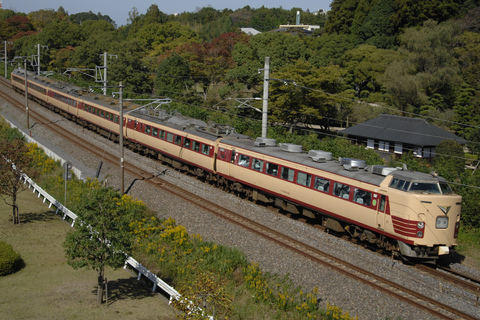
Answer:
(334, 288)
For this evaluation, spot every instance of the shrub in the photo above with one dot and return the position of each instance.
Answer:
(10, 261)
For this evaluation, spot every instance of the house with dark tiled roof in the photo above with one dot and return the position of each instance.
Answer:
(397, 135)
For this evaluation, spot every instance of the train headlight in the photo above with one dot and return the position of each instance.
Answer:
(419, 234)
(421, 225)
(442, 222)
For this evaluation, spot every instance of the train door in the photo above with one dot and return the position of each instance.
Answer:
(381, 210)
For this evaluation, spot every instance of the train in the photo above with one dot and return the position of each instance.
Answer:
(413, 215)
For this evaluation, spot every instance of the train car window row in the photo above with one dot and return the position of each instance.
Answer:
(18, 79)
(65, 99)
(37, 88)
(340, 190)
(104, 114)
(179, 140)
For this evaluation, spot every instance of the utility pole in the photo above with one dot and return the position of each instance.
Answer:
(266, 78)
(105, 81)
(120, 140)
(26, 92)
(38, 46)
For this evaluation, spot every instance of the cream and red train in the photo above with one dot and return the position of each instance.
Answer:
(412, 213)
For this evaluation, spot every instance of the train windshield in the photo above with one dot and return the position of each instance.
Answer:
(421, 186)
(424, 187)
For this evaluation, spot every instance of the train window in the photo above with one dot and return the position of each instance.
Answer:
(107, 115)
(111, 116)
(394, 182)
(244, 161)
(116, 119)
(101, 114)
(155, 132)
(148, 129)
(257, 165)
(304, 179)
(196, 146)
(186, 143)
(406, 186)
(381, 206)
(322, 184)
(169, 137)
(288, 174)
(272, 169)
(178, 140)
(341, 190)
(362, 197)
(445, 188)
(233, 156)
(162, 134)
(205, 149)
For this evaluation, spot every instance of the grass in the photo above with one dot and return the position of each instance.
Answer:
(48, 288)
(469, 247)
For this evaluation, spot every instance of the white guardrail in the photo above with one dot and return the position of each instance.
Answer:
(157, 282)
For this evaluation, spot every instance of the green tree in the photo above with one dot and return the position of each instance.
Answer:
(129, 67)
(173, 77)
(468, 56)
(467, 110)
(376, 28)
(426, 67)
(306, 102)
(365, 65)
(449, 160)
(328, 49)
(341, 16)
(101, 237)
(411, 13)
(15, 162)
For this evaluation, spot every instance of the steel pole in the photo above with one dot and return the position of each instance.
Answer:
(105, 74)
(266, 77)
(26, 93)
(5, 43)
(38, 53)
(120, 142)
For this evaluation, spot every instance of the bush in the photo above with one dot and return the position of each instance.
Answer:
(10, 261)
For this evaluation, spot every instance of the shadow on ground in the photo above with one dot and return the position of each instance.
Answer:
(129, 288)
(37, 216)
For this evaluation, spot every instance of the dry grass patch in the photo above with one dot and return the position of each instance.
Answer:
(48, 288)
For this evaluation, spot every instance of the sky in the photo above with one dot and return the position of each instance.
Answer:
(118, 9)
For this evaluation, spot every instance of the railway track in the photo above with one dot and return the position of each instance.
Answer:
(384, 285)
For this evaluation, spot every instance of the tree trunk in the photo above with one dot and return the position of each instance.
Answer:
(100, 287)
(16, 218)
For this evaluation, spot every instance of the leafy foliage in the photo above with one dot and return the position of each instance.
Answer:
(10, 261)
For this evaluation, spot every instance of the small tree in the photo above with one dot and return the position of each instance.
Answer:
(14, 162)
(101, 236)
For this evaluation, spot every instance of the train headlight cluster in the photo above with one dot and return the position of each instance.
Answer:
(419, 234)
(421, 225)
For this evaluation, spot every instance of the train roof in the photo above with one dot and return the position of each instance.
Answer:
(332, 166)
(210, 131)
(342, 167)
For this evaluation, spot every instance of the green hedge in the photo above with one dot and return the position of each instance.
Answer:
(10, 261)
